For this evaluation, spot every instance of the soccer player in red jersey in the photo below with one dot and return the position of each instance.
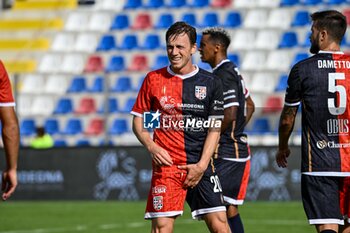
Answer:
(10, 134)
(184, 105)
(321, 84)
(232, 161)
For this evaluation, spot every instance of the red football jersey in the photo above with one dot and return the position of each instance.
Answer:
(6, 97)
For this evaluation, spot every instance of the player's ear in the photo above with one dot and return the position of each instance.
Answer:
(194, 48)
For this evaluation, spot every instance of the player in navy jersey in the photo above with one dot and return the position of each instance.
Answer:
(321, 84)
(185, 106)
(232, 160)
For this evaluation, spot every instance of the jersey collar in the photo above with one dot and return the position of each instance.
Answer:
(185, 75)
(334, 52)
(222, 62)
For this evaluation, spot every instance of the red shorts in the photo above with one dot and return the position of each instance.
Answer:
(344, 198)
(166, 197)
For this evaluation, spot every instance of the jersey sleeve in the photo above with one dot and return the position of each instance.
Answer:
(293, 92)
(6, 97)
(143, 100)
(217, 102)
(230, 88)
(245, 89)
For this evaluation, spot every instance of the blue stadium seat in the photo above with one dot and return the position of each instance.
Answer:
(98, 85)
(27, 127)
(77, 85)
(334, 2)
(306, 42)
(298, 57)
(139, 84)
(233, 19)
(204, 66)
(260, 126)
(64, 106)
(301, 19)
(189, 18)
(129, 42)
(164, 21)
(51, 126)
(210, 19)
(282, 83)
(60, 143)
(289, 40)
(160, 62)
(128, 105)
(310, 2)
(120, 22)
(122, 84)
(73, 126)
(82, 142)
(151, 42)
(116, 63)
(289, 2)
(234, 58)
(113, 106)
(119, 126)
(199, 3)
(106, 43)
(176, 3)
(133, 4)
(154, 4)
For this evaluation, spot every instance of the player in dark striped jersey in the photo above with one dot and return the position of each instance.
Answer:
(322, 84)
(185, 105)
(233, 156)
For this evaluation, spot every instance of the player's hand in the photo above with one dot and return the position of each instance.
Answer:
(160, 156)
(194, 174)
(281, 157)
(9, 183)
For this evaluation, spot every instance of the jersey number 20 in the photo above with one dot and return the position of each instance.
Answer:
(217, 186)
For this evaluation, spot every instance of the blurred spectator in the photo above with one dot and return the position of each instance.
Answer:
(42, 140)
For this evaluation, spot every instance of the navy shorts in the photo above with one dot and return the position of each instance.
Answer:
(206, 197)
(234, 177)
(321, 199)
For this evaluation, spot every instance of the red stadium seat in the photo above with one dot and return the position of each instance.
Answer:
(221, 3)
(86, 105)
(95, 127)
(94, 64)
(139, 63)
(142, 21)
(273, 104)
(346, 12)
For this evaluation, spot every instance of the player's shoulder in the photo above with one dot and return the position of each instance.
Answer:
(202, 73)
(158, 73)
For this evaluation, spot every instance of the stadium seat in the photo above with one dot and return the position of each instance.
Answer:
(94, 64)
(73, 126)
(77, 21)
(95, 126)
(237, 4)
(86, 105)
(278, 60)
(106, 43)
(306, 42)
(122, 84)
(118, 127)
(267, 39)
(298, 57)
(63, 42)
(256, 18)
(42, 106)
(50, 63)
(85, 42)
(254, 61)
(82, 142)
(78, 84)
(243, 39)
(32, 84)
(346, 12)
(233, 19)
(210, 19)
(72, 64)
(52, 126)
(273, 104)
(133, 4)
(64, 106)
(176, 3)
(151, 42)
(24, 105)
(221, 3)
(27, 127)
(154, 4)
(269, 3)
(334, 2)
(310, 2)
(165, 20)
(288, 3)
(142, 21)
(60, 143)
(160, 62)
(204, 65)
(120, 21)
(289, 40)
(198, 3)
(56, 84)
(129, 42)
(260, 125)
(279, 18)
(128, 105)
(113, 106)
(97, 85)
(100, 22)
(138, 86)
(139, 62)
(189, 18)
(116, 63)
(282, 83)
(301, 19)
(234, 58)
(263, 82)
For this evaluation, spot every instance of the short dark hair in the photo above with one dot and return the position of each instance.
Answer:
(179, 28)
(218, 35)
(331, 20)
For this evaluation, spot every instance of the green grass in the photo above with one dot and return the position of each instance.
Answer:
(127, 217)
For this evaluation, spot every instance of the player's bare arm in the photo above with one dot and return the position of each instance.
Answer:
(196, 171)
(230, 115)
(159, 155)
(250, 107)
(284, 131)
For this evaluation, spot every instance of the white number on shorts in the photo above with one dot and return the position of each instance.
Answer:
(332, 88)
(217, 186)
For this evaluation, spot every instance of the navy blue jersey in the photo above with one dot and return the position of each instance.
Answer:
(233, 142)
(322, 84)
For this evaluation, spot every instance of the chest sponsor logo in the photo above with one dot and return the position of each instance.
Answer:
(151, 120)
(158, 202)
(200, 92)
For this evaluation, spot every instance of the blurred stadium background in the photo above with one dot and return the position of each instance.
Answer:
(76, 67)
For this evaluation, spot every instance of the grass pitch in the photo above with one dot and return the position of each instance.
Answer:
(127, 217)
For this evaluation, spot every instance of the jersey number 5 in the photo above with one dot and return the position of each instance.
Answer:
(333, 88)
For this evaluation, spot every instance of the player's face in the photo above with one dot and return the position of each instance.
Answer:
(314, 39)
(180, 50)
(207, 49)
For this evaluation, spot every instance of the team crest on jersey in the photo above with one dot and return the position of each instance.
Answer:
(200, 92)
(158, 202)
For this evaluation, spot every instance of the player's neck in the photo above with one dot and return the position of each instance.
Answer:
(332, 47)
